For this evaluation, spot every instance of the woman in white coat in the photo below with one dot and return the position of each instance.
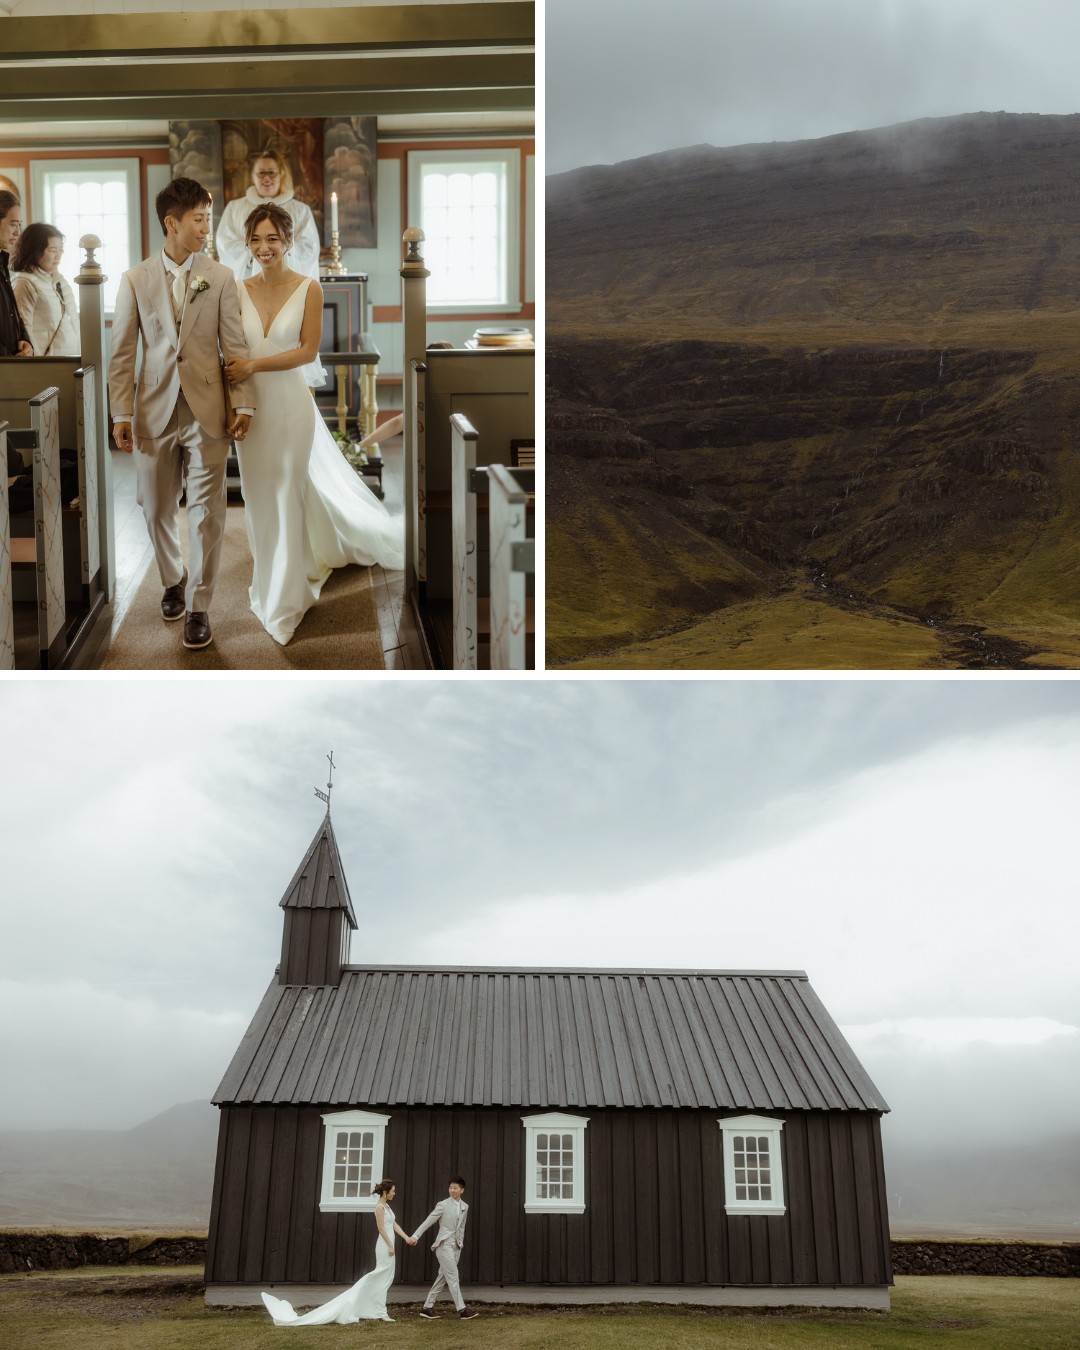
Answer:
(270, 182)
(45, 299)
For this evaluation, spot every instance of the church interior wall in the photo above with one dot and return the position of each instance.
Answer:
(382, 263)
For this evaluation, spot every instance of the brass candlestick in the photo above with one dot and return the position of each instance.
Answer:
(335, 267)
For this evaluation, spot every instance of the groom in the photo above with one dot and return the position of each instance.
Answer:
(174, 418)
(450, 1214)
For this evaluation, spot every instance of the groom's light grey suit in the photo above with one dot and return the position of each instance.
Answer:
(176, 406)
(450, 1215)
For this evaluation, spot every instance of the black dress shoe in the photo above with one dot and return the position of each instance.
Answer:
(466, 1313)
(427, 1312)
(197, 630)
(172, 602)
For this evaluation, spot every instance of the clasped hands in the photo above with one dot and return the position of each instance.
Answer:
(238, 369)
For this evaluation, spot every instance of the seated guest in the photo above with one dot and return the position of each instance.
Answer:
(13, 336)
(46, 301)
(270, 182)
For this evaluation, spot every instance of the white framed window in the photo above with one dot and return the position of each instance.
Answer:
(99, 197)
(466, 202)
(352, 1159)
(555, 1163)
(753, 1170)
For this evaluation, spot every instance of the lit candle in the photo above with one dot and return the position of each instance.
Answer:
(333, 212)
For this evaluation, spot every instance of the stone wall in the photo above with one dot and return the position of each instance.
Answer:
(913, 1256)
(64, 1251)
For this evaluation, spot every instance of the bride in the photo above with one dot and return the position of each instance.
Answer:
(367, 1298)
(307, 511)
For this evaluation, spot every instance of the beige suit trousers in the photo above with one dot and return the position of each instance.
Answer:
(160, 466)
(448, 1257)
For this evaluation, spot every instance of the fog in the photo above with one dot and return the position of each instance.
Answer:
(907, 843)
(621, 84)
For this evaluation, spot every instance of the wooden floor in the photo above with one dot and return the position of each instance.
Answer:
(403, 648)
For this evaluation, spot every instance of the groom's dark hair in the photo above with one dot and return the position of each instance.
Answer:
(182, 194)
(457, 1181)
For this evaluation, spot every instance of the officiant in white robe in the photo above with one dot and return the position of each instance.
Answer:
(270, 182)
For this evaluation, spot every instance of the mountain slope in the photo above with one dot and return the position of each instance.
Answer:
(850, 369)
(158, 1174)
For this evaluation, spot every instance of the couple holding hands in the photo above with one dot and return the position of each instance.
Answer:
(367, 1297)
(202, 331)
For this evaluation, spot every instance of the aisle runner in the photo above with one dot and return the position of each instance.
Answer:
(340, 633)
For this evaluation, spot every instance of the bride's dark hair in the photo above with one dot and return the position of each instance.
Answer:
(384, 1187)
(276, 215)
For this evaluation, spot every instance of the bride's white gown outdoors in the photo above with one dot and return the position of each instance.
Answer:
(306, 509)
(365, 1300)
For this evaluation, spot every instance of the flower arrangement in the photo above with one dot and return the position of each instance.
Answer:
(351, 450)
(198, 285)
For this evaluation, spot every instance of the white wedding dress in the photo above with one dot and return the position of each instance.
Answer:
(364, 1301)
(306, 509)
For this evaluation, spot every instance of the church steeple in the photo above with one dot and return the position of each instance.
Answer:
(318, 915)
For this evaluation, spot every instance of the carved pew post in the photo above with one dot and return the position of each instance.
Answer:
(512, 559)
(86, 386)
(7, 610)
(92, 350)
(464, 487)
(414, 316)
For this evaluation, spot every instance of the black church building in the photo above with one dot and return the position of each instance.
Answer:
(666, 1135)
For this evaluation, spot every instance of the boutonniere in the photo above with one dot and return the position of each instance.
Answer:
(198, 284)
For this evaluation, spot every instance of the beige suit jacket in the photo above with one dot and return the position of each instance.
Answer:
(451, 1228)
(171, 360)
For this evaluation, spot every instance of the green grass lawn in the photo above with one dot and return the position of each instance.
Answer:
(147, 1309)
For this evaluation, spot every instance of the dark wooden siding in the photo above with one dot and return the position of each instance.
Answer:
(655, 1206)
(313, 947)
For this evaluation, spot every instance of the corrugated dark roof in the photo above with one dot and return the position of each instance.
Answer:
(319, 881)
(742, 1040)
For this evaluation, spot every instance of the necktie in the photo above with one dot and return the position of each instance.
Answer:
(178, 294)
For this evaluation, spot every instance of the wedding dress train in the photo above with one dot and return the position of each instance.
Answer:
(306, 509)
(364, 1301)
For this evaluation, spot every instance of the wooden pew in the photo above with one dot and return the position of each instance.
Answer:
(43, 552)
(77, 429)
(463, 512)
(491, 513)
(7, 608)
(511, 494)
(22, 379)
(495, 391)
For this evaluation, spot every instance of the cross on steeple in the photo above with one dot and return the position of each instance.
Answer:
(325, 796)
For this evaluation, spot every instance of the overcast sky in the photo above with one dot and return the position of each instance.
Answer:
(629, 80)
(910, 844)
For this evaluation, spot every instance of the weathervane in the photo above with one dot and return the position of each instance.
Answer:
(325, 796)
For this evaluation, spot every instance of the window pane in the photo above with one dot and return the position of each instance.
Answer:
(459, 189)
(434, 190)
(114, 197)
(66, 199)
(485, 189)
(90, 198)
(465, 220)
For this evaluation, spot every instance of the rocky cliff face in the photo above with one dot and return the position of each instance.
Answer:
(929, 489)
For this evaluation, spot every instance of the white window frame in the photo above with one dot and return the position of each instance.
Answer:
(555, 1122)
(128, 168)
(764, 1126)
(510, 158)
(347, 1121)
